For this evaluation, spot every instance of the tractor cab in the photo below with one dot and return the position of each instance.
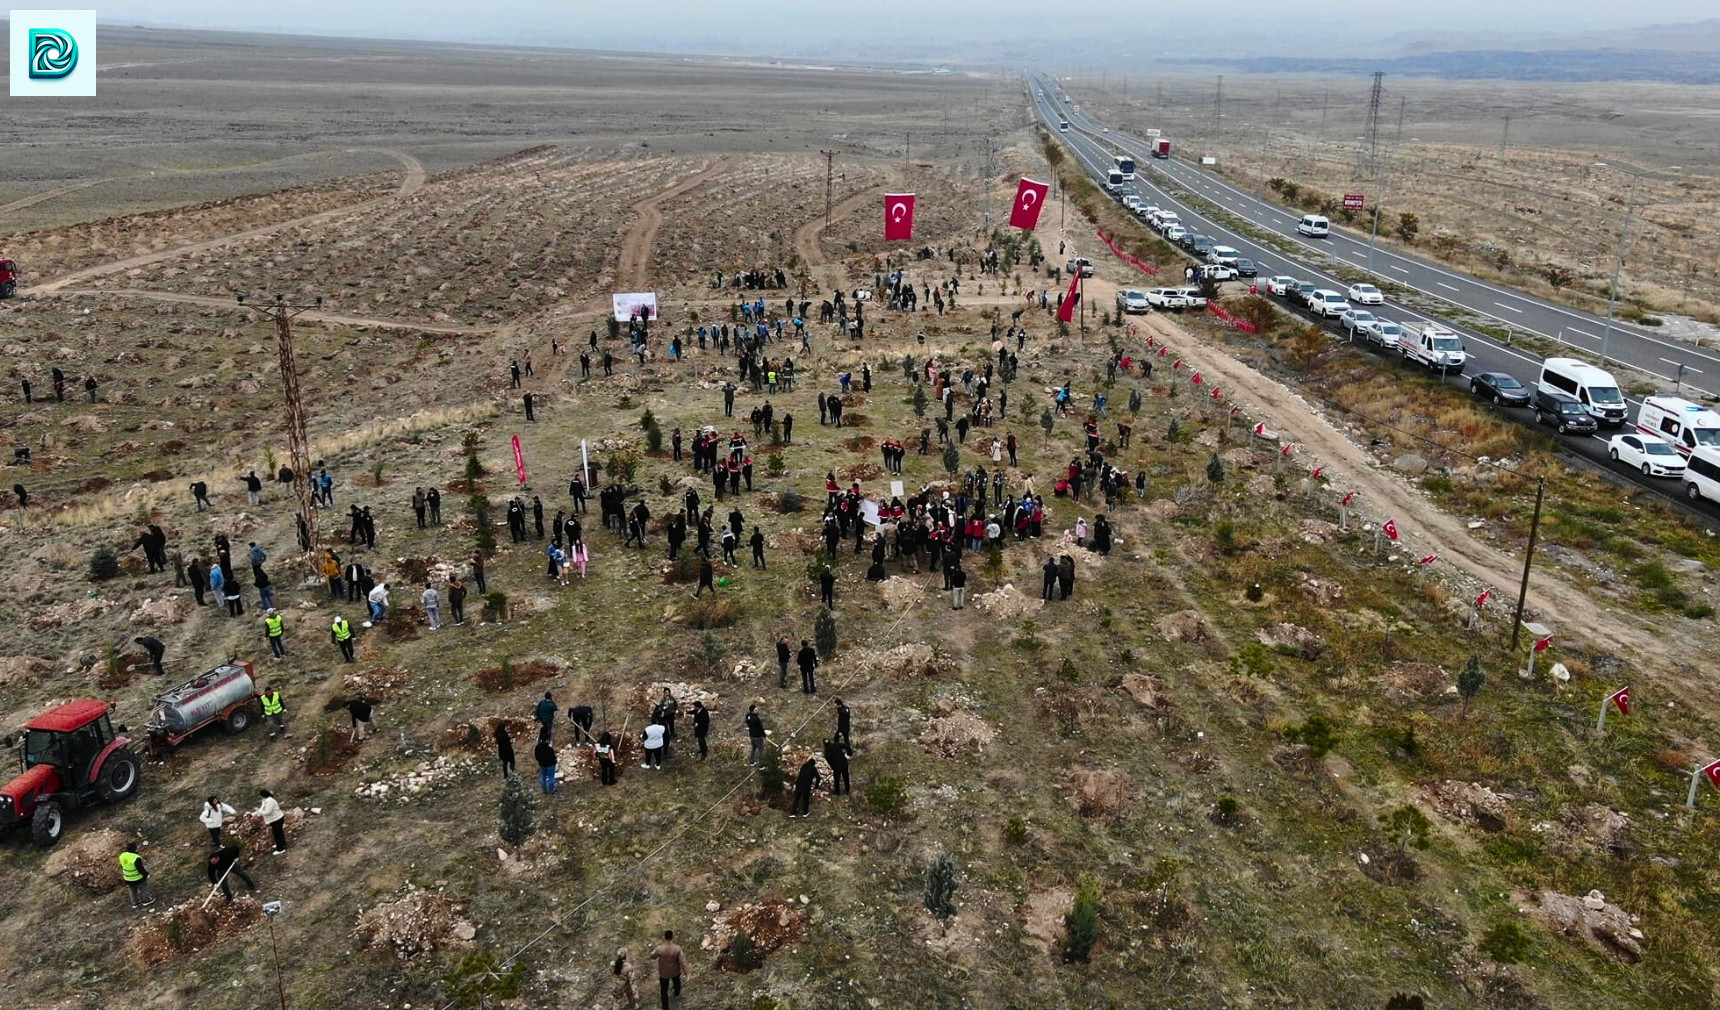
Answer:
(8, 278)
(72, 758)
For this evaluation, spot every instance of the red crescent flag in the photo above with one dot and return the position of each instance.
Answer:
(1621, 698)
(1029, 200)
(1215, 392)
(1712, 770)
(1347, 499)
(1151, 342)
(1234, 408)
(1176, 364)
(1164, 351)
(1260, 430)
(1317, 472)
(1286, 450)
(1543, 644)
(1428, 559)
(898, 217)
(1390, 530)
(1066, 311)
(519, 460)
(1481, 601)
(1195, 378)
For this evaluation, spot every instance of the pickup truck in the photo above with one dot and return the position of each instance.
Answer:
(1081, 263)
(1216, 272)
(1192, 298)
(1167, 298)
(1433, 347)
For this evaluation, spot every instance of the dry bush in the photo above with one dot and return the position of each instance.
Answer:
(712, 613)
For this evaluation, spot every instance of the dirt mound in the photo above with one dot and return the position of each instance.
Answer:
(746, 669)
(1043, 915)
(521, 674)
(770, 924)
(1589, 918)
(950, 733)
(252, 835)
(163, 610)
(861, 472)
(234, 525)
(1100, 792)
(90, 860)
(190, 928)
(1007, 603)
(1183, 626)
(908, 662)
(1325, 592)
(646, 697)
(417, 923)
(382, 683)
(1289, 636)
(1423, 680)
(1148, 691)
(72, 611)
(1318, 531)
(1469, 803)
(900, 594)
(860, 443)
(1163, 510)
(479, 735)
(428, 775)
(15, 670)
(1601, 826)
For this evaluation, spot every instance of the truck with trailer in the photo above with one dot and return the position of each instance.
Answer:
(226, 696)
(1161, 147)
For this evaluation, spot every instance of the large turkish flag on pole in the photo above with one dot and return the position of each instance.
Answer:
(898, 217)
(1029, 200)
(1066, 311)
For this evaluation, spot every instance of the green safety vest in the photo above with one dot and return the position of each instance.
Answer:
(342, 630)
(272, 704)
(128, 867)
(275, 626)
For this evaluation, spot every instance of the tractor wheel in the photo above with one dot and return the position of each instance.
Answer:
(47, 824)
(119, 776)
(8, 289)
(239, 720)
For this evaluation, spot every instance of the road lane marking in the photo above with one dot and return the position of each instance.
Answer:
(1508, 308)
(1687, 368)
(1445, 286)
(1399, 269)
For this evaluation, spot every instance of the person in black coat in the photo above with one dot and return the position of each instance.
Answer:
(505, 750)
(827, 587)
(844, 726)
(701, 727)
(836, 756)
(224, 862)
(706, 578)
(808, 660)
(1050, 572)
(804, 783)
(784, 652)
(153, 646)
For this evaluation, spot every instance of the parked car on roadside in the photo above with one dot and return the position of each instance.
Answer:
(1200, 245)
(1222, 254)
(1245, 267)
(1366, 294)
(1303, 293)
(1353, 318)
(1132, 302)
(1501, 388)
(1563, 411)
(1192, 298)
(1651, 454)
(1170, 299)
(1327, 304)
(1280, 285)
(1174, 233)
(1382, 333)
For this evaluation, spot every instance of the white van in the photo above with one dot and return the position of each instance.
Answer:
(1314, 226)
(1596, 390)
(1686, 425)
(1702, 475)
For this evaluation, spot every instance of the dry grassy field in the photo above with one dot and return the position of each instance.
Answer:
(1523, 202)
(1239, 743)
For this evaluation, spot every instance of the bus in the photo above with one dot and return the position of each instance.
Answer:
(1125, 165)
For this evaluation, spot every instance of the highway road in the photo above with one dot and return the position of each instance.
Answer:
(1094, 150)
(1629, 344)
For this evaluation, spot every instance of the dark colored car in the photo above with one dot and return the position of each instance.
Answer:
(1562, 411)
(1500, 388)
(1302, 292)
(1245, 267)
(1201, 246)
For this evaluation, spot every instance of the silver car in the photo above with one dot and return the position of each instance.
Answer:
(1132, 302)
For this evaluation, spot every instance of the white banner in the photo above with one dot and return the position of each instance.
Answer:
(635, 303)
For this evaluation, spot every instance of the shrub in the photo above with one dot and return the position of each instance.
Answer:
(1405, 1001)
(921, 402)
(771, 776)
(1258, 311)
(742, 955)
(941, 884)
(495, 604)
(952, 457)
(104, 564)
(789, 501)
(1316, 733)
(1408, 825)
(479, 980)
(479, 506)
(824, 633)
(1046, 421)
(1015, 831)
(1226, 810)
(1254, 593)
(775, 465)
(518, 811)
(1224, 534)
(1082, 924)
(1507, 942)
(886, 794)
(1215, 469)
(654, 439)
(1469, 682)
(711, 653)
(1408, 226)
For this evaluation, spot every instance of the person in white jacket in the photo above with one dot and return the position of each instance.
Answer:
(214, 815)
(272, 815)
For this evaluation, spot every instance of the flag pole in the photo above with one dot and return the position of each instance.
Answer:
(1695, 780)
(1601, 725)
(1528, 558)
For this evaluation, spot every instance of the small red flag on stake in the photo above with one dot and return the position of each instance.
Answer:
(1317, 472)
(1543, 644)
(1029, 200)
(898, 217)
(1164, 351)
(1345, 502)
(1712, 771)
(1428, 559)
(1286, 450)
(1215, 392)
(1260, 430)
(1066, 311)
(1152, 342)
(1234, 408)
(1390, 530)
(1621, 698)
(1481, 601)
(1177, 364)
(1195, 378)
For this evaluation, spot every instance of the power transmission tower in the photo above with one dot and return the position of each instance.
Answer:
(829, 180)
(1368, 155)
(298, 444)
(1504, 140)
(1217, 115)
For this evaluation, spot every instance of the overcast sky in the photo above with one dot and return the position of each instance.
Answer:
(860, 32)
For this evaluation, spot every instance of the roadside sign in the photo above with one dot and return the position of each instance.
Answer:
(1353, 201)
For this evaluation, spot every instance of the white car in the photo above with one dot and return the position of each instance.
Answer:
(1168, 218)
(1381, 332)
(1151, 211)
(1353, 319)
(1653, 456)
(1222, 254)
(1105, 129)
(1327, 304)
(1132, 302)
(1175, 233)
(1280, 285)
(1366, 294)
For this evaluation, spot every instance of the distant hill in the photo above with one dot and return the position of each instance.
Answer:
(1673, 66)
(1697, 37)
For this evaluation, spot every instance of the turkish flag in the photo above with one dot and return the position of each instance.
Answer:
(1195, 378)
(1164, 350)
(1176, 364)
(1348, 497)
(1390, 530)
(1317, 472)
(1066, 311)
(1286, 450)
(1428, 559)
(1260, 430)
(1215, 392)
(1029, 200)
(1621, 698)
(1543, 644)
(1712, 770)
(898, 217)
(1481, 601)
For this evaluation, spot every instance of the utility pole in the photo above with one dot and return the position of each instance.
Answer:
(1504, 140)
(1403, 100)
(1368, 154)
(1325, 100)
(1217, 116)
(908, 152)
(283, 313)
(985, 184)
(829, 182)
(1528, 559)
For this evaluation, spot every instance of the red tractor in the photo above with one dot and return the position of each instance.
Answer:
(8, 278)
(72, 759)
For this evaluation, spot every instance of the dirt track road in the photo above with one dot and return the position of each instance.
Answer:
(634, 271)
(1290, 417)
(412, 179)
